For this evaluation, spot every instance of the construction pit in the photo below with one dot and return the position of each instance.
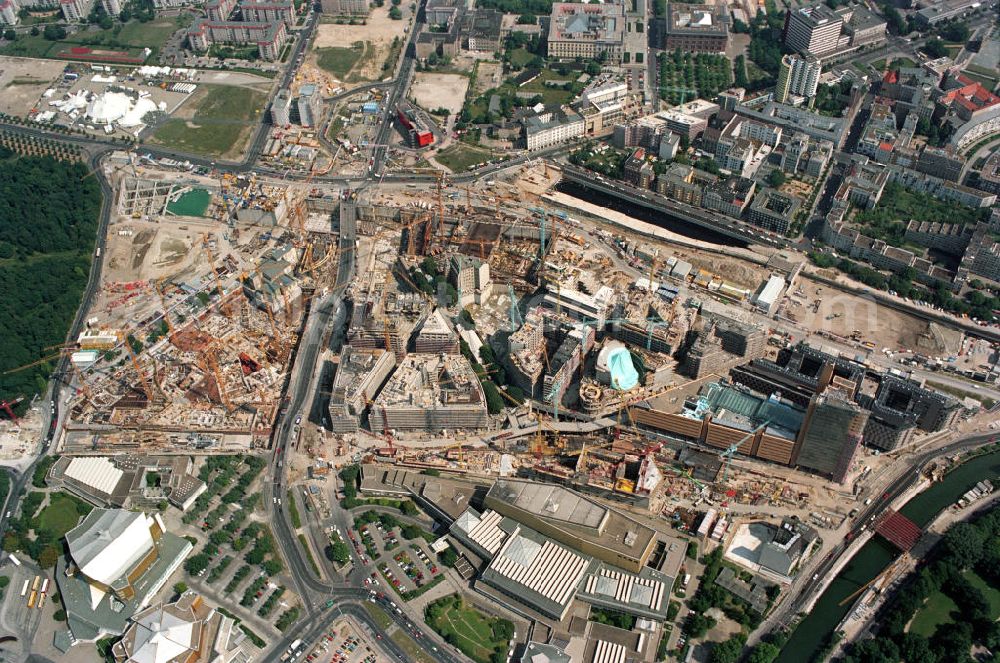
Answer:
(189, 337)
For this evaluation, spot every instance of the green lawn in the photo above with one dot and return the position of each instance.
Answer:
(62, 514)
(991, 593)
(339, 61)
(520, 57)
(551, 94)
(218, 123)
(459, 157)
(382, 620)
(465, 627)
(936, 611)
(28, 46)
(152, 34)
(132, 37)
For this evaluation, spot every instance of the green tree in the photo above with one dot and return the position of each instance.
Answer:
(180, 587)
(395, 14)
(729, 650)
(9, 35)
(49, 555)
(766, 652)
(776, 178)
(964, 543)
(935, 48)
(54, 32)
(338, 552)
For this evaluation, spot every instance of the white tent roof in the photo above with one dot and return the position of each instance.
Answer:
(108, 107)
(109, 542)
(161, 636)
(133, 117)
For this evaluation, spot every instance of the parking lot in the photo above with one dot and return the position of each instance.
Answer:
(344, 643)
(405, 564)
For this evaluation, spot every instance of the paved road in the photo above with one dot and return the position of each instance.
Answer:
(901, 482)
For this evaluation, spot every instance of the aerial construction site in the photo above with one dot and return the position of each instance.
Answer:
(189, 338)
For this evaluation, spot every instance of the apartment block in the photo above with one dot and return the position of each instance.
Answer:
(267, 11)
(269, 38)
(345, 7)
(75, 11)
(797, 76)
(8, 12)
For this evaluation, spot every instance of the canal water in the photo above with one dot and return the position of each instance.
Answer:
(813, 631)
(665, 221)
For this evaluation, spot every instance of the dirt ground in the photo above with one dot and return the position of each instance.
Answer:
(431, 91)
(488, 76)
(148, 251)
(841, 314)
(23, 80)
(378, 33)
(733, 270)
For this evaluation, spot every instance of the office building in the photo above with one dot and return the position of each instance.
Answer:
(579, 30)
(310, 105)
(281, 108)
(571, 302)
(718, 343)
(437, 335)
(575, 520)
(414, 125)
(697, 28)
(798, 76)
(471, 278)
(830, 435)
(360, 374)
(813, 30)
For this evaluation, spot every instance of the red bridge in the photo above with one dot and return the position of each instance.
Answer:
(898, 530)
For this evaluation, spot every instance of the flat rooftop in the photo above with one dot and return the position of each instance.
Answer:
(575, 514)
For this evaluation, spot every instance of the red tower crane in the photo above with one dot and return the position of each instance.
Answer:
(8, 407)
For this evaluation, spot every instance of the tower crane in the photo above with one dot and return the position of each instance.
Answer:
(171, 333)
(215, 272)
(8, 407)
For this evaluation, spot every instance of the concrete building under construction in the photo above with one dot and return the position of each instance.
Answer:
(431, 392)
(720, 343)
(360, 373)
